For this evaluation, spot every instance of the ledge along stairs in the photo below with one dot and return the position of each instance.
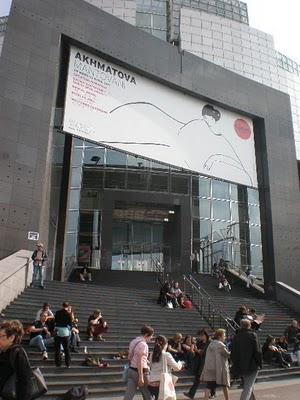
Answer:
(127, 301)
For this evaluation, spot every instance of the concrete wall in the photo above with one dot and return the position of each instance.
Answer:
(15, 276)
(288, 296)
(28, 82)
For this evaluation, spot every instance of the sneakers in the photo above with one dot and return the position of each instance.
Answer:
(90, 338)
(45, 355)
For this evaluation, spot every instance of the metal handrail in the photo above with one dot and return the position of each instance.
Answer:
(160, 271)
(9, 276)
(203, 302)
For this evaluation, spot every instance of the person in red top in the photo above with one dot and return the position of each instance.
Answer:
(138, 364)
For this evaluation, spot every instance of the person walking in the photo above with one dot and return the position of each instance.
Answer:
(39, 257)
(63, 324)
(159, 360)
(138, 364)
(13, 359)
(246, 358)
(216, 367)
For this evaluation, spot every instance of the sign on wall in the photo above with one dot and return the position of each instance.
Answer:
(114, 106)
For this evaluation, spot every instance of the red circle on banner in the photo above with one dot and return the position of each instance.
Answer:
(242, 128)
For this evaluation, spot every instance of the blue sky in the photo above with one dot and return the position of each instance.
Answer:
(279, 18)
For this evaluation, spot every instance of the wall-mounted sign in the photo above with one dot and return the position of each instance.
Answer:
(33, 236)
(114, 106)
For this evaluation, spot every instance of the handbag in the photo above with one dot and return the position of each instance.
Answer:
(127, 365)
(169, 304)
(38, 384)
(167, 383)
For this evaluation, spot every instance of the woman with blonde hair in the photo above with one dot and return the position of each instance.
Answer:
(13, 359)
(216, 367)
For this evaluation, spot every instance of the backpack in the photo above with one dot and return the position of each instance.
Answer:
(76, 393)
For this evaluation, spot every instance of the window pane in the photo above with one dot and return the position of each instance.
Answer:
(179, 184)
(159, 183)
(254, 215)
(159, 34)
(70, 245)
(115, 159)
(90, 199)
(72, 224)
(115, 180)
(74, 199)
(137, 181)
(94, 156)
(220, 189)
(204, 206)
(235, 212)
(221, 210)
(255, 234)
(234, 192)
(205, 229)
(201, 187)
(143, 19)
(219, 229)
(77, 157)
(159, 167)
(76, 177)
(92, 178)
(253, 196)
(159, 21)
(137, 162)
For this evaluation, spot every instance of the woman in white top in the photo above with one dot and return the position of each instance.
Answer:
(157, 360)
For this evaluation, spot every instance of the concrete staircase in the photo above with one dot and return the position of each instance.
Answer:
(127, 301)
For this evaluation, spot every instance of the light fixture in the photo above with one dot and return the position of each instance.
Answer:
(171, 212)
(166, 219)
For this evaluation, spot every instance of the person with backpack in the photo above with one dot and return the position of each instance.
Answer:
(138, 364)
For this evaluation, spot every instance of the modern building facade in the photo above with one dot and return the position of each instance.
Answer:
(95, 193)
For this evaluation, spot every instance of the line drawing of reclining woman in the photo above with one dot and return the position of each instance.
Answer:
(224, 151)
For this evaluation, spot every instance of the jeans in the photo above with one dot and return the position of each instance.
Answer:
(249, 380)
(64, 342)
(133, 378)
(37, 276)
(41, 343)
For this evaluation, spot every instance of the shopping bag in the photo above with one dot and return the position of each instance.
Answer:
(167, 382)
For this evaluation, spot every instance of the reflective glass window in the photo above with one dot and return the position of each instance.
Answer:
(159, 167)
(256, 255)
(136, 180)
(157, 233)
(253, 196)
(162, 35)
(219, 229)
(94, 156)
(115, 159)
(179, 184)
(77, 157)
(72, 224)
(121, 232)
(135, 162)
(58, 155)
(74, 199)
(234, 192)
(77, 142)
(255, 234)
(204, 208)
(143, 19)
(71, 245)
(159, 21)
(221, 210)
(234, 212)
(220, 189)
(141, 232)
(159, 183)
(76, 177)
(114, 180)
(205, 229)
(92, 178)
(90, 199)
(254, 215)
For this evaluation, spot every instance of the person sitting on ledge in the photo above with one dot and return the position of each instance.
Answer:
(96, 326)
(85, 274)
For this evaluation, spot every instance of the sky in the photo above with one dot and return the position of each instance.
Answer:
(279, 18)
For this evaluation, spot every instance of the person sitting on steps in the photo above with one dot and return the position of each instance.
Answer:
(271, 353)
(175, 347)
(40, 336)
(96, 326)
(178, 295)
(85, 274)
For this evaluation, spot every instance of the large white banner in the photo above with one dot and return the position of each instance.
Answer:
(114, 106)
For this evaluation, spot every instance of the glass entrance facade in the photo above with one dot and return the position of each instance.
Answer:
(223, 219)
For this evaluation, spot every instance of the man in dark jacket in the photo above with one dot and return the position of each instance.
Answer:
(63, 323)
(201, 346)
(246, 358)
